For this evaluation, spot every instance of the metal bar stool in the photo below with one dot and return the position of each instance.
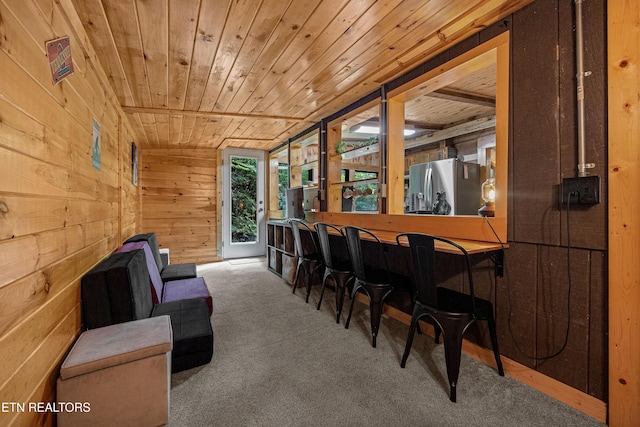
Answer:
(451, 311)
(338, 269)
(309, 257)
(372, 278)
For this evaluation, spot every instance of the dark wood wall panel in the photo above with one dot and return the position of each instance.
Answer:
(535, 124)
(598, 326)
(532, 297)
(563, 302)
(516, 302)
(587, 223)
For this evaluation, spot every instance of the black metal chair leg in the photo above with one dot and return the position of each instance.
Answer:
(376, 300)
(295, 280)
(353, 300)
(494, 343)
(437, 331)
(407, 347)
(308, 284)
(339, 296)
(341, 286)
(453, 330)
(324, 283)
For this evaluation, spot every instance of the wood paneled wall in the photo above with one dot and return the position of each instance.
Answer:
(624, 211)
(179, 202)
(556, 270)
(59, 215)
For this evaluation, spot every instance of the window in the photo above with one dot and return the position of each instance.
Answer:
(458, 111)
(354, 161)
(278, 181)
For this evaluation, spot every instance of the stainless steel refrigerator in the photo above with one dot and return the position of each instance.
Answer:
(459, 181)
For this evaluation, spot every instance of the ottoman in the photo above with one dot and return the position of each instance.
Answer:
(187, 289)
(192, 332)
(121, 373)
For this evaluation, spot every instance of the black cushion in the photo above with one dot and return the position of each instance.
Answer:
(192, 332)
(178, 272)
(116, 290)
(94, 294)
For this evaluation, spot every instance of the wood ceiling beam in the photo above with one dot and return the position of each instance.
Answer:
(170, 111)
(453, 131)
(462, 96)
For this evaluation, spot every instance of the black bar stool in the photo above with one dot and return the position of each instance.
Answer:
(372, 278)
(309, 257)
(451, 311)
(338, 269)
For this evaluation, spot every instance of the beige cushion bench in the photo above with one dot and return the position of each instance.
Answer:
(123, 373)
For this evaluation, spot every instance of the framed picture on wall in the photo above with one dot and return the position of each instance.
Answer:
(134, 164)
(95, 145)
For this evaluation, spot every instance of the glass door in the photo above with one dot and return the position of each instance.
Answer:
(243, 214)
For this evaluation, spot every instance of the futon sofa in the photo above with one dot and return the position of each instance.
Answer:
(172, 290)
(117, 290)
(167, 271)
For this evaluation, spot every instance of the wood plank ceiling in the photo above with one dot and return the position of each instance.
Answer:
(252, 73)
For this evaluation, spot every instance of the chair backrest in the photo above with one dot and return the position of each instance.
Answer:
(302, 250)
(423, 257)
(152, 240)
(376, 260)
(116, 290)
(154, 275)
(323, 240)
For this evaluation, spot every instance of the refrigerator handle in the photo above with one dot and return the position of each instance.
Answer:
(429, 190)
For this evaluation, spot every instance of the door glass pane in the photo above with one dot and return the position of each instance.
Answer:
(244, 178)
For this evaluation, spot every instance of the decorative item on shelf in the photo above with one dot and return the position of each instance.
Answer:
(441, 206)
(372, 140)
(489, 196)
(341, 148)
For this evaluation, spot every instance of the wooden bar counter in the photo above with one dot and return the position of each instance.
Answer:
(475, 234)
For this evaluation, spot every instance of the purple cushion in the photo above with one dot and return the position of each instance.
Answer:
(154, 274)
(187, 289)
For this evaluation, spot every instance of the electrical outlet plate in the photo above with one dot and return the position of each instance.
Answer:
(581, 191)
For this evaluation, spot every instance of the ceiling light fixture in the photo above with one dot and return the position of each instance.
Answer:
(376, 130)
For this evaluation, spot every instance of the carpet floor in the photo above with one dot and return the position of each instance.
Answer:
(280, 362)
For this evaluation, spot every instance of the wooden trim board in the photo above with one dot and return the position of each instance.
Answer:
(624, 210)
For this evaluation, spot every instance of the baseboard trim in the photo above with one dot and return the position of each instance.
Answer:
(568, 395)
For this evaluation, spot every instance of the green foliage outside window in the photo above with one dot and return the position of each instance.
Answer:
(368, 199)
(244, 173)
(283, 184)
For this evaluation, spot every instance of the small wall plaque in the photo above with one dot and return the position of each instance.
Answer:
(60, 62)
(134, 164)
(95, 145)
